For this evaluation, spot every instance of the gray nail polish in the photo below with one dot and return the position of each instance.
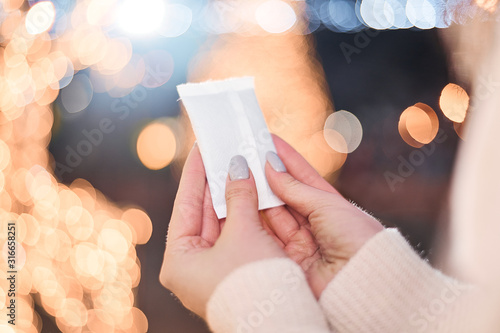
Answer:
(238, 168)
(275, 162)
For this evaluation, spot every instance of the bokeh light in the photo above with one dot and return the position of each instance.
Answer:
(418, 125)
(275, 16)
(156, 146)
(460, 129)
(139, 223)
(340, 15)
(76, 256)
(159, 67)
(178, 19)
(12, 5)
(454, 102)
(375, 14)
(139, 17)
(351, 16)
(40, 17)
(422, 13)
(61, 70)
(343, 131)
(488, 5)
(403, 130)
(78, 94)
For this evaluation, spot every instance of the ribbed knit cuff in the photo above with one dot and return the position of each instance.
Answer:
(266, 296)
(386, 287)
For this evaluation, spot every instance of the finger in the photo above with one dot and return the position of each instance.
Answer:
(301, 220)
(210, 228)
(188, 206)
(301, 197)
(298, 167)
(266, 226)
(241, 195)
(281, 222)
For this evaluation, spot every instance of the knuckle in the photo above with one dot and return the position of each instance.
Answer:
(320, 209)
(186, 206)
(290, 185)
(183, 199)
(239, 193)
(311, 178)
(274, 214)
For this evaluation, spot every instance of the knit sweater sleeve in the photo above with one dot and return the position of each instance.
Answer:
(386, 287)
(266, 296)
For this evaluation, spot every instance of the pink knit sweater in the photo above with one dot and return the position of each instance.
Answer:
(385, 288)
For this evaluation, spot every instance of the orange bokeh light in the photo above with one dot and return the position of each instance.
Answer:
(454, 102)
(156, 146)
(62, 232)
(140, 223)
(418, 125)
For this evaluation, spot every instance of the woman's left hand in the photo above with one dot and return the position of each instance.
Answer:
(202, 250)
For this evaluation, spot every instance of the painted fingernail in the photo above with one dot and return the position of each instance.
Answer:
(275, 161)
(238, 168)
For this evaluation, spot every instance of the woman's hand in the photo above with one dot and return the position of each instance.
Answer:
(199, 251)
(317, 228)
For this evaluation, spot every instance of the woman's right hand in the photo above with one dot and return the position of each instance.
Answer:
(317, 227)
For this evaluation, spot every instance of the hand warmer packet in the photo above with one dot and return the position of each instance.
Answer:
(227, 121)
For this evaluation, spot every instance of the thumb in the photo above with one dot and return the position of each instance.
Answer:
(301, 197)
(241, 195)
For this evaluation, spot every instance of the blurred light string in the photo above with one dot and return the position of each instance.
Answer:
(278, 16)
(355, 15)
(76, 255)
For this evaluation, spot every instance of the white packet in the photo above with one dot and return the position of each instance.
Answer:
(227, 121)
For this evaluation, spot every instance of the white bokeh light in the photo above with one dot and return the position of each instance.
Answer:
(78, 94)
(275, 16)
(421, 13)
(343, 131)
(376, 14)
(342, 15)
(140, 17)
(177, 20)
(40, 17)
(395, 12)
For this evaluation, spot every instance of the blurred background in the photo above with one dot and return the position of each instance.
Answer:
(93, 136)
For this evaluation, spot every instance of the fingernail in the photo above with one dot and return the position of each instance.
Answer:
(275, 161)
(238, 168)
